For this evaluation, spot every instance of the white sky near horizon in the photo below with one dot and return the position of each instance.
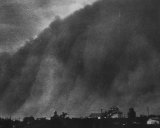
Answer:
(63, 10)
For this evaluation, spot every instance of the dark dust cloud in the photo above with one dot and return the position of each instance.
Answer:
(103, 55)
(21, 20)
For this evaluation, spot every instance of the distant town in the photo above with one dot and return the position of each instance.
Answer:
(112, 118)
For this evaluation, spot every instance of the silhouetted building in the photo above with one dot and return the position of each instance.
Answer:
(28, 120)
(95, 115)
(153, 120)
(131, 114)
(113, 112)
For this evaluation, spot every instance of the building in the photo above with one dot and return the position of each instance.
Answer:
(113, 112)
(131, 114)
(153, 121)
(95, 115)
(117, 115)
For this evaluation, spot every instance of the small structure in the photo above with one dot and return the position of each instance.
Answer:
(117, 115)
(95, 115)
(28, 120)
(153, 121)
(131, 114)
(113, 112)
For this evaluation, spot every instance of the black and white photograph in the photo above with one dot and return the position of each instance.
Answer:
(79, 63)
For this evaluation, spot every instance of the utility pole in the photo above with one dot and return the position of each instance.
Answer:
(101, 110)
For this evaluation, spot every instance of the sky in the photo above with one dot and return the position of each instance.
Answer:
(21, 20)
(107, 54)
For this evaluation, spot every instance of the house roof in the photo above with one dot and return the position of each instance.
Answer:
(154, 118)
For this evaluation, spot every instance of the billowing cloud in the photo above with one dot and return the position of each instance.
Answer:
(105, 54)
(22, 19)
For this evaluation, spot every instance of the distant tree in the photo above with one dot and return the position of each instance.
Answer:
(63, 115)
(55, 116)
